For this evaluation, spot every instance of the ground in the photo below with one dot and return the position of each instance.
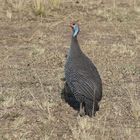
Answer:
(33, 45)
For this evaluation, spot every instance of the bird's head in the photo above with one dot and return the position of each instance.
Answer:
(75, 29)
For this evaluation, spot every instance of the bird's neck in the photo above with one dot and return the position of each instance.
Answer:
(75, 50)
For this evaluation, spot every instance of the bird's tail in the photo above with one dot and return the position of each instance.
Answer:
(91, 107)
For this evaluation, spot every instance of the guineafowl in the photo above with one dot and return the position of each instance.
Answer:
(82, 77)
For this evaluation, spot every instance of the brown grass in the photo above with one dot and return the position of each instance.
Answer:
(34, 39)
(39, 7)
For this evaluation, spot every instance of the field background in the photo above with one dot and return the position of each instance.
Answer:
(34, 38)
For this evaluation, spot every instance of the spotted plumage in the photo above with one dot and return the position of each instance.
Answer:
(82, 77)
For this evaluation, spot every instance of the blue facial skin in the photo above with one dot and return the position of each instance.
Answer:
(75, 30)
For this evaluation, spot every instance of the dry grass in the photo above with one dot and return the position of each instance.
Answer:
(55, 3)
(32, 58)
(39, 7)
(16, 5)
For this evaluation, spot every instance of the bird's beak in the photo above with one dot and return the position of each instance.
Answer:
(71, 25)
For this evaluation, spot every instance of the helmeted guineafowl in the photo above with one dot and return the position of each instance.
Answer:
(82, 77)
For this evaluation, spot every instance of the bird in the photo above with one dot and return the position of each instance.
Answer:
(82, 80)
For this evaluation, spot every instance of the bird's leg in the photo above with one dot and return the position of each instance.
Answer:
(82, 110)
(93, 109)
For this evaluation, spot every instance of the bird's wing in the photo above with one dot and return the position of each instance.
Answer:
(82, 85)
